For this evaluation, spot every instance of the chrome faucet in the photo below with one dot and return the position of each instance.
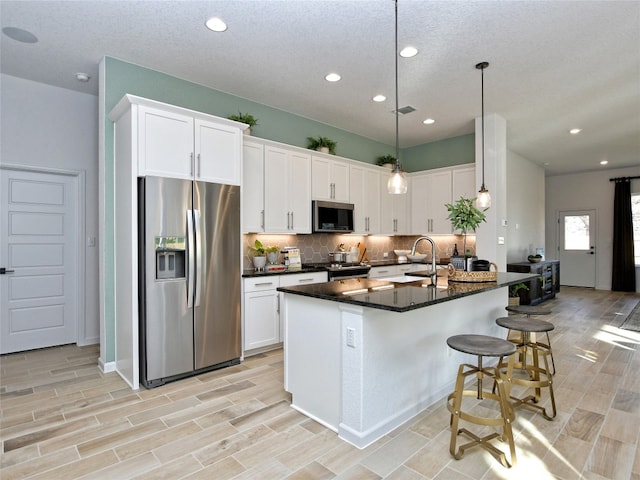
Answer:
(433, 276)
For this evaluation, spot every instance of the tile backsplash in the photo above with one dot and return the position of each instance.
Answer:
(315, 248)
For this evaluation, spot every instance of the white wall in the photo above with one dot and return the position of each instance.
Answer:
(525, 208)
(56, 128)
(588, 191)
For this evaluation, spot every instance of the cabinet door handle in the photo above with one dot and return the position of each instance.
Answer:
(262, 221)
(278, 304)
(291, 220)
(199, 167)
(263, 284)
(191, 162)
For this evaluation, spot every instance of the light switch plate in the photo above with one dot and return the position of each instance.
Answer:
(500, 240)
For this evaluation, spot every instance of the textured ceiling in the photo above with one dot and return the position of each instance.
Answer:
(554, 64)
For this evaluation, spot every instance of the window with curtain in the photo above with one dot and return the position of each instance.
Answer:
(635, 215)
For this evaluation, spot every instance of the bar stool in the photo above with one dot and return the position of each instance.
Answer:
(528, 311)
(483, 346)
(534, 371)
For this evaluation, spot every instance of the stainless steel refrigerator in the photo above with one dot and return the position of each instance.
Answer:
(189, 278)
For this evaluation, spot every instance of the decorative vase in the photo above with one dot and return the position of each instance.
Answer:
(272, 257)
(259, 262)
(514, 301)
(248, 131)
(323, 149)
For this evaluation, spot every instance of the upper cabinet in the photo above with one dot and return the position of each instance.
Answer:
(170, 141)
(287, 190)
(252, 187)
(330, 179)
(218, 153)
(429, 193)
(464, 182)
(364, 193)
(393, 210)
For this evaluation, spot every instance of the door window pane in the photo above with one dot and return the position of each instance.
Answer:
(576, 232)
(635, 213)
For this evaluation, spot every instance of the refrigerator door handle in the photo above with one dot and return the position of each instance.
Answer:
(190, 258)
(198, 259)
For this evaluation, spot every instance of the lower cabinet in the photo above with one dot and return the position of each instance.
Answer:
(386, 271)
(261, 312)
(542, 288)
(263, 327)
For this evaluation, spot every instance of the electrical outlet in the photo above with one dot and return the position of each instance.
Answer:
(385, 255)
(351, 337)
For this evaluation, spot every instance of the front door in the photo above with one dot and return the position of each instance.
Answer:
(38, 234)
(577, 252)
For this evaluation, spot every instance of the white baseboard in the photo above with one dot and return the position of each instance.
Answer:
(106, 367)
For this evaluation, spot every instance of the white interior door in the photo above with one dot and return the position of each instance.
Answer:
(577, 252)
(38, 233)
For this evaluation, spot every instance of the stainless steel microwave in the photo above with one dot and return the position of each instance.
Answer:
(332, 217)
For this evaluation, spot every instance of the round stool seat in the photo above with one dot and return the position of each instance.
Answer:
(528, 310)
(481, 345)
(524, 324)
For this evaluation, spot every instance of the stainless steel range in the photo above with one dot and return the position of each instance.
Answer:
(343, 271)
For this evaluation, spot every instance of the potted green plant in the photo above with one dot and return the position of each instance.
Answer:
(257, 252)
(386, 161)
(514, 297)
(465, 217)
(245, 118)
(272, 253)
(322, 144)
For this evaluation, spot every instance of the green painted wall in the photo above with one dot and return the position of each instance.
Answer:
(122, 78)
(443, 153)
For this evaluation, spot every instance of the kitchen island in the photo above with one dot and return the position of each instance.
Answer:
(364, 356)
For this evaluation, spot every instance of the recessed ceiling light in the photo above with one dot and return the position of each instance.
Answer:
(82, 77)
(408, 52)
(332, 77)
(20, 35)
(429, 121)
(604, 162)
(216, 24)
(379, 98)
(575, 131)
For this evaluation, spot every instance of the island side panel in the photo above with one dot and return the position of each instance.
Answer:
(312, 358)
(401, 363)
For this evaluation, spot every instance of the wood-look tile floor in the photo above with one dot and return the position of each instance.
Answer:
(61, 418)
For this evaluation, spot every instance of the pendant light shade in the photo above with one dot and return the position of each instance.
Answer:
(483, 200)
(397, 183)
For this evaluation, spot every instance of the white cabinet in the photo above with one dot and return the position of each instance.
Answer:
(218, 153)
(393, 211)
(464, 182)
(387, 271)
(261, 312)
(182, 145)
(263, 322)
(165, 143)
(253, 187)
(287, 190)
(364, 193)
(429, 194)
(330, 179)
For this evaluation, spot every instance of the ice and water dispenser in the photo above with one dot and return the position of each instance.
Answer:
(171, 257)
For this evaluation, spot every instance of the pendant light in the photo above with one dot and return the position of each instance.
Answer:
(484, 198)
(397, 183)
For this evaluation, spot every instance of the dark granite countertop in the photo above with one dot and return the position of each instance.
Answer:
(320, 267)
(400, 297)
